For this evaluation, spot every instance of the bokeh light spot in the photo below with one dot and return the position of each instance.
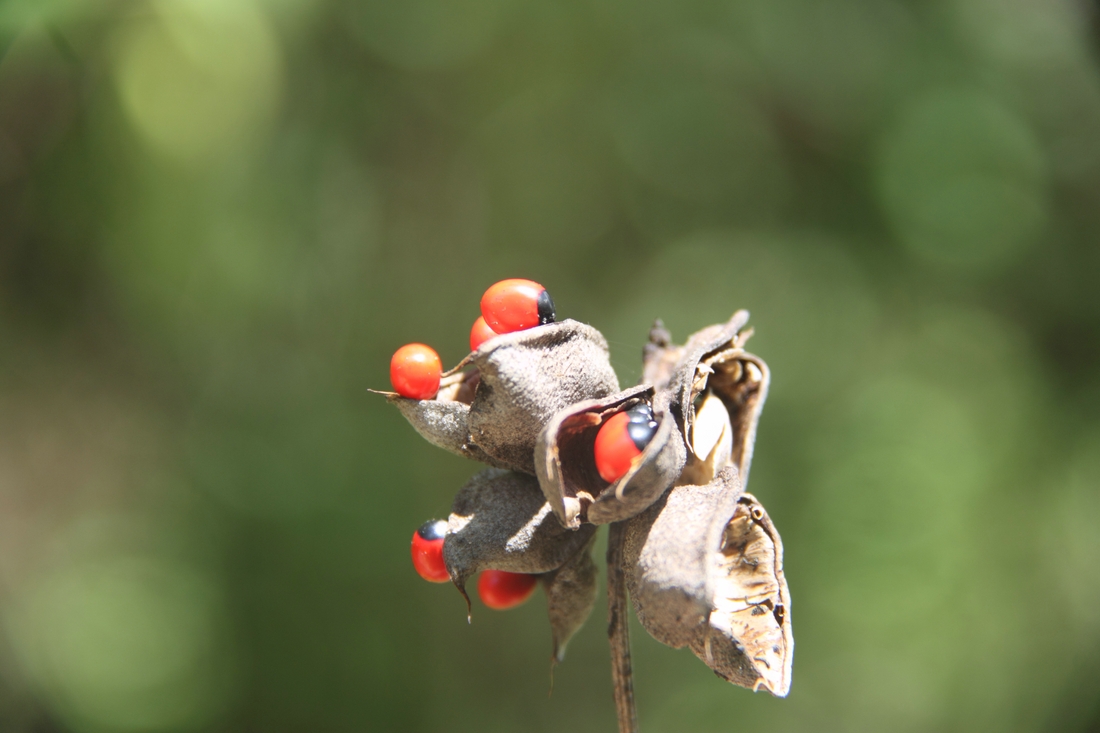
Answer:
(1022, 33)
(125, 644)
(198, 78)
(1073, 538)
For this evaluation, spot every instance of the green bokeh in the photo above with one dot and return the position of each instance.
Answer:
(218, 219)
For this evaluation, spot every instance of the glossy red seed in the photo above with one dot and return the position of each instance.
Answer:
(427, 551)
(614, 448)
(480, 333)
(512, 305)
(415, 370)
(501, 590)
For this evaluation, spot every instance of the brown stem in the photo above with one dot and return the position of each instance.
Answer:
(618, 632)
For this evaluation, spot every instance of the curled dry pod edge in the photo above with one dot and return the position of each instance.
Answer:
(500, 520)
(566, 467)
(704, 567)
(749, 639)
(715, 372)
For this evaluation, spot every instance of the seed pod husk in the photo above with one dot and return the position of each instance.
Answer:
(666, 550)
(704, 567)
(570, 596)
(750, 641)
(566, 467)
(501, 521)
(493, 413)
(527, 377)
(659, 356)
(714, 363)
(442, 420)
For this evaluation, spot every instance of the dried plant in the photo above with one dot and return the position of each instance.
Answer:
(701, 558)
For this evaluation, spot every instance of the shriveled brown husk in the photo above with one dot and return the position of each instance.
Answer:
(713, 362)
(704, 567)
(500, 520)
(750, 640)
(442, 420)
(528, 376)
(659, 356)
(666, 553)
(566, 467)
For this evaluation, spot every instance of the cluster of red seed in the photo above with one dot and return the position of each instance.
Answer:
(416, 370)
(508, 306)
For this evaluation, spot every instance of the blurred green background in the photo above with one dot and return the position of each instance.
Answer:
(218, 219)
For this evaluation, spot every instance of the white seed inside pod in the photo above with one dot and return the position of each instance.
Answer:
(712, 436)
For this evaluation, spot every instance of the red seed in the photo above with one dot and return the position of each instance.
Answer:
(415, 371)
(501, 590)
(621, 439)
(480, 333)
(427, 551)
(516, 305)
(614, 449)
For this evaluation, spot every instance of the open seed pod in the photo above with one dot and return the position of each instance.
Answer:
(570, 596)
(442, 421)
(566, 467)
(528, 376)
(704, 567)
(500, 520)
(666, 555)
(494, 412)
(717, 393)
(750, 640)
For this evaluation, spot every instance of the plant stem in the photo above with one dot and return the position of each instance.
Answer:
(618, 632)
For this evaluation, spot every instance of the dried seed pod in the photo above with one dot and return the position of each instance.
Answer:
(666, 556)
(714, 364)
(750, 640)
(500, 520)
(659, 356)
(442, 421)
(528, 376)
(494, 412)
(704, 567)
(570, 596)
(567, 470)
